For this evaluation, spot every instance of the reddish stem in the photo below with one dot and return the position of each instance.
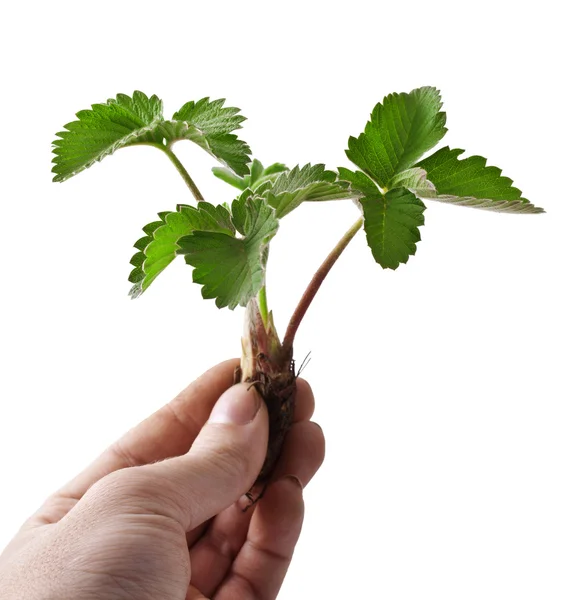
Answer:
(315, 284)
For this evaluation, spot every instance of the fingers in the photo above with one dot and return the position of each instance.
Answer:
(194, 594)
(303, 452)
(213, 554)
(260, 566)
(168, 432)
(304, 401)
(221, 465)
(304, 408)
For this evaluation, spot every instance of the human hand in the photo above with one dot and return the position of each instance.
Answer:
(159, 514)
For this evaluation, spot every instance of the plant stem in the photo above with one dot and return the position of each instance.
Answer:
(315, 284)
(263, 305)
(180, 168)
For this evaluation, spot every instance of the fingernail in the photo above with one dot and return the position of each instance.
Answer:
(293, 479)
(237, 406)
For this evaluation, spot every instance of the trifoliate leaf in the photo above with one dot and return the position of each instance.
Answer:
(399, 132)
(232, 269)
(468, 182)
(158, 247)
(310, 183)
(126, 121)
(391, 224)
(104, 129)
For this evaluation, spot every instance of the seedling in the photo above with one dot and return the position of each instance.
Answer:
(228, 244)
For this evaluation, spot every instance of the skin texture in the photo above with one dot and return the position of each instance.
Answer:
(159, 513)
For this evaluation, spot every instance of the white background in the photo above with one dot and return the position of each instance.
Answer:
(441, 386)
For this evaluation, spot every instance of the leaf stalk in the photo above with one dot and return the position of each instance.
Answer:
(263, 305)
(315, 284)
(181, 170)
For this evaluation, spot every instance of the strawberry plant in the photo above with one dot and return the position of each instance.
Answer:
(228, 244)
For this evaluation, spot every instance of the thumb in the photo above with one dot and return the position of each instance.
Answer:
(222, 463)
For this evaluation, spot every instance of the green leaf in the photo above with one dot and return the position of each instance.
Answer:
(399, 132)
(103, 130)
(232, 269)
(359, 181)
(256, 171)
(310, 183)
(414, 179)
(158, 247)
(230, 177)
(274, 169)
(257, 178)
(263, 179)
(126, 121)
(468, 182)
(391, 224)
(391, 220)
(209, 124)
